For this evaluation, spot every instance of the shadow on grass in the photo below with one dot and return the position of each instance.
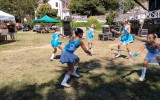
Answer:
(6, 42)
(97, 82)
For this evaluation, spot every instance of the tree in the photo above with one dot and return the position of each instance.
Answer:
(18, 8)
(45, 1)
(45, 9)
(98, 7)
(110, 17)
(95, 7)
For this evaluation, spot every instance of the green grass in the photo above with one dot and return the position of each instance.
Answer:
(27, 74)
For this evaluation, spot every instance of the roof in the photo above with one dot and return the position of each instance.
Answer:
(66, 9)
(46, 19)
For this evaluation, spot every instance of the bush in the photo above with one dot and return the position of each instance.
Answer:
(110, 17)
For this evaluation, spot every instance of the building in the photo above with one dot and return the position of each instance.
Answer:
(62, 7)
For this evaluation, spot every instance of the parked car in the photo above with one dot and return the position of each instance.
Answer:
(25, 28)
(36, 27)
(42, 30)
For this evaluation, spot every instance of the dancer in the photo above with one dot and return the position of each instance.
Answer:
(71, 59)
(126, 38)
(90, 37)
(152, 56)
(55, 42)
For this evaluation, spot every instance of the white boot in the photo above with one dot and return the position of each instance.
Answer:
(52, 56)
(119, 53)
(74, 72)
(143, 74)
(64, 82)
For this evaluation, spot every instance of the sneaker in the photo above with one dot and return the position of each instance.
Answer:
(118, 55)
(141, 79)
(65, 85)
(76, 75)
(89, 49)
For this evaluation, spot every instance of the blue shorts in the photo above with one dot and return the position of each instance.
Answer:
(11, 33)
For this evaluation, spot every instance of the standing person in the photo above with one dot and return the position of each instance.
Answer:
(11, 29)
(152, 55)
(4, 31)
(55, 42)
(126, 38)
(70, 58)
(90, 37)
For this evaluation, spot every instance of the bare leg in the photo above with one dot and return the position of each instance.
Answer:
(144, 68)
(89, 44)
(75, 68)
(128, 49)
(119, 52)
(70, 68)
(53, 54)
(60, 47)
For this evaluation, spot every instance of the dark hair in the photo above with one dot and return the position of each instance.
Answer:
(78, 30)
(154, 35)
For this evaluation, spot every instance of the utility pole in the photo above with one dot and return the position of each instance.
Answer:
(121, 6)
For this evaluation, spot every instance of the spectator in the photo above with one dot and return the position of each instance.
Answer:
(4, 31)
(11, 29)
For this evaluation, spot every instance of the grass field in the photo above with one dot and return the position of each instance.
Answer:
(26, 73)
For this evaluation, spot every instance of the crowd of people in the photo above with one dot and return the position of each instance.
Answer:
(6, 29)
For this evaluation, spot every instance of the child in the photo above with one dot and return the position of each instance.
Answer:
(126, 38)
(71, 59)
(90, 37)
(55, 42)
(151, 57)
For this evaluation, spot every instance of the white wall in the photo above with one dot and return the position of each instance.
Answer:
(59, 6)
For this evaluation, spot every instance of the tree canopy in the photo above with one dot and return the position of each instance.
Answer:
(98, 7)
(45, 9)
(19, 8)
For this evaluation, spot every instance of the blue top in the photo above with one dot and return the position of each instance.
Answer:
(150, 49)
(55, 36)
(72, 46)
(90, 32)
(125, 30)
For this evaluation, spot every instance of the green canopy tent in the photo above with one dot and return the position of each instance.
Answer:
(46, 19)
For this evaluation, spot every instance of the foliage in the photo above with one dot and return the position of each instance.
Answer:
(45, 1)
(110, 17)
(93, 7)
(99, 7)
(19, 8)
(45, 9)
(129, 5)
(89, 22)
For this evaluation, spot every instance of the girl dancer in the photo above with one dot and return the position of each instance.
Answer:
(152, 55)
(55, 42)
(126, 38)
(71, 59)
(90, 37)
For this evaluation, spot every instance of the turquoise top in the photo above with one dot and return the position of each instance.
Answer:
(150, 49)
(90, 32)
(72, 46)
(125, 30)
(55, 36)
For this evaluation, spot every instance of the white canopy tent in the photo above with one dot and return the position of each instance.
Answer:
(6, 16)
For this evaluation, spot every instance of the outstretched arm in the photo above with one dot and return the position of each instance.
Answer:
(84, 48)
(118, 32)
(140, 51)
